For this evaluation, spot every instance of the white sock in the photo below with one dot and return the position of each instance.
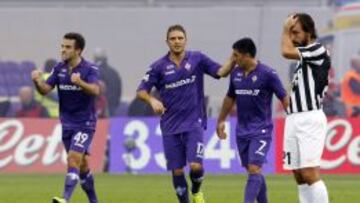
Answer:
(304, 193)
(319, 192)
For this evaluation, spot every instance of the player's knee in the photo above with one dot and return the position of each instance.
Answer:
(298, 177)
(84, 166)
(74, 159)
(73, 162)
(253, 169)
(178, 172)
(310, 175)
(196, 166)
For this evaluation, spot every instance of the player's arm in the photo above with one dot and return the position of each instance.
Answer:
(150, 79)
(226, 67)
(278, 88)
(214, 69)
(41, 86)
(226, 108)
(89, 88)
(288, 49)
(155, 104)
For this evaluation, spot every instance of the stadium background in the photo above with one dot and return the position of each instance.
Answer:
(132, 32)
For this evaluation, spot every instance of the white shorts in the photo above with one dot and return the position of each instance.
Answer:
(304, 139)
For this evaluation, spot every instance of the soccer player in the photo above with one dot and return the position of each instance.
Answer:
(252, 85)
(77, 82)
(305, 125)
(179, 76)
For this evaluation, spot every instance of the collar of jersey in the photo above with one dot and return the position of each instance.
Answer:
(186, 57)
(76, 67)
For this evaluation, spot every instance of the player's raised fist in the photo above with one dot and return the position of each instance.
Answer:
(75, 78)
(36, 75)
(220, 130)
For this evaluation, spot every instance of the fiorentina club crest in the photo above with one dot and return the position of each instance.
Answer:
(188, 66)
(254, 78)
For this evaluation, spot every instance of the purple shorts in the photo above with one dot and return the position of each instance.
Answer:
(253, 150)
(184, 147)
(78, 140)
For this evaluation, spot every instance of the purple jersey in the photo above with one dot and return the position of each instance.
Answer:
(253, 95)
(77, 108)
(181, 90)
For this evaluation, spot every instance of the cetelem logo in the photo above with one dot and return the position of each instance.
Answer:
(25, 150)
(69, 87)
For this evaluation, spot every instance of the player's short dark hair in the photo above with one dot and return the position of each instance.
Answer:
(245, 46)
(79, 39)
(307, 24)
(176, 27)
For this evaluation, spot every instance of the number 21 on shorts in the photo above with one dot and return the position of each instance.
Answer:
(286, 158)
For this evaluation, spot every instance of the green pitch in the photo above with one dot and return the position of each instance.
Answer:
(158, 189)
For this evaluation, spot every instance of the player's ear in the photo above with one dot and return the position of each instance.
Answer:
(167, 42)
(78, 51)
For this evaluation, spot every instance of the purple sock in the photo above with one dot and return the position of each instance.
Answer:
(71, 179)
(181, 188)
(252, 189)
(262, 196)
(196, 178)
(87, 184)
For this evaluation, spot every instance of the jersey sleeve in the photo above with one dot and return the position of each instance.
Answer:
(209, 66)
(93, 76)
(275, 85)
(314, 54)
(231, 89)
(151, 79)
(53, 78)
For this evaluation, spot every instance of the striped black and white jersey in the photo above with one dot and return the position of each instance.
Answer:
(310, 79)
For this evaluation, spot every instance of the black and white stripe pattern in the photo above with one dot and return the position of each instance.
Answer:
(310, 79)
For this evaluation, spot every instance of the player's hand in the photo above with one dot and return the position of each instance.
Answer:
(36, 75)
(290, 22)
(232, 57)
(220, 130)
(286, 102)
(75, 78)
(157, 106)
(232, 60)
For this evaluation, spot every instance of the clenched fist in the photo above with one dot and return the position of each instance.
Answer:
(36, 75)
(75, 78)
